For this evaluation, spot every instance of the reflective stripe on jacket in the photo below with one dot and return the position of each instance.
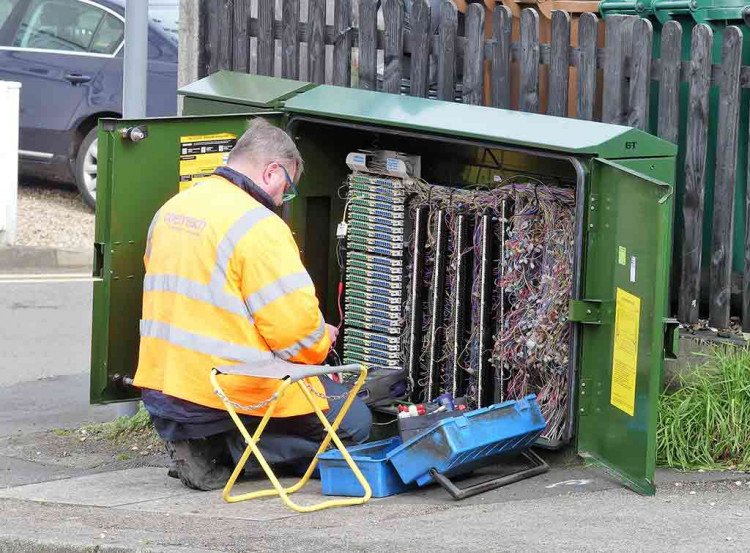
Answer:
(225, 284)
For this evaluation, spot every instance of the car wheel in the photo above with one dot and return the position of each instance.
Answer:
(86, 168)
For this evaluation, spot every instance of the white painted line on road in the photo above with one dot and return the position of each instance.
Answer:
(581, 482)
(43, 278)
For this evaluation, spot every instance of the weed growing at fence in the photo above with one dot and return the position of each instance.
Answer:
(706, 423)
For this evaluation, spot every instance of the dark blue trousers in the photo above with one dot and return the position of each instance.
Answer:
(205, 444)
(295, 440)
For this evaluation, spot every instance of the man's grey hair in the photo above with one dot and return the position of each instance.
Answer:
(262, 143)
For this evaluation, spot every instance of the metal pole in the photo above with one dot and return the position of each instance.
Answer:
(135, 68)
(136, 59)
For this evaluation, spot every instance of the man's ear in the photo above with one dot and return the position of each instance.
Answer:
(266, 174)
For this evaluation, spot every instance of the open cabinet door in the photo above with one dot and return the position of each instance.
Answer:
(135, 179)
(628, 248)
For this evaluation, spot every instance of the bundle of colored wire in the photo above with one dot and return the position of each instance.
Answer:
(532, 272)
(532, 346)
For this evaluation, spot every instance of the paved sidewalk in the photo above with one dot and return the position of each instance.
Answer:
(61, 494)
(55, 498)
(571, 508)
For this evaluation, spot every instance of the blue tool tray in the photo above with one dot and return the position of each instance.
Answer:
(338, 479)
(454, 446)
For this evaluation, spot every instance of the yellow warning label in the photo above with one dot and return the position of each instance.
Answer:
(625, 358)
(622, 255)
(201, 154)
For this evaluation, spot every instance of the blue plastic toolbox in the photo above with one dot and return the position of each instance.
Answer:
(338, 479)
(456, 445)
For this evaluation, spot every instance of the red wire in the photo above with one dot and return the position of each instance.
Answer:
(341, 310)
(336, 377)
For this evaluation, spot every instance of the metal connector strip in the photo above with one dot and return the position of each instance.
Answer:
(415, 309)
(436, 307)
(484, 372)
(461, 302)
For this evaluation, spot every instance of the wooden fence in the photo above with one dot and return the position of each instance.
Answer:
(230, 37)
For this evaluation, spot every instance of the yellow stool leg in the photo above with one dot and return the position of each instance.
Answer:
(330, 427)
(252, 449)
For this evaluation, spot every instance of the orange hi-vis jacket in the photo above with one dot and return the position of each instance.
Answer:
(225, 284)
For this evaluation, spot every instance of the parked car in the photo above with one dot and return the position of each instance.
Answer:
(68, 55)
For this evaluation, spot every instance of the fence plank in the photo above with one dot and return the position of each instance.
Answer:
(393, 13)
(588, 39)
(240, 36)
(559, 64)
(627, 63)
(746, 272)
(529, 91)
(669, 82)
(473, 89)
(266, 41)
(421, 35)
(211, 33)
(368, 44)
(726, 172)
(502, 20)
(226, 14)
(289, 42)
(316, 46)
(342, 44)
(619, 43)
(612, 69)
(446, 53)
(192, 43)
(695, 173)
(640, 78)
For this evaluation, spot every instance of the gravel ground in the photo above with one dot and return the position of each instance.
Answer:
(52, 215)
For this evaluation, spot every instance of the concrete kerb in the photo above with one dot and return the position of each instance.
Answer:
(17, 260)
(27, 545)
(31, 545)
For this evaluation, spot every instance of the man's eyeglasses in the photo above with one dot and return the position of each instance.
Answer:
(288, 196)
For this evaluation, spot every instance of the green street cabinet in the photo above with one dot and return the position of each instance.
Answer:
(623, 181)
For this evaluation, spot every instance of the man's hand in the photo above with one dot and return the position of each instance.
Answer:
(333, 332)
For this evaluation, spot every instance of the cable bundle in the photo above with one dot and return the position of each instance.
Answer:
(494, 292)
(532, 346)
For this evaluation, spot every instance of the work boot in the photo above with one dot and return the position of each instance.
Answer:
(195, 462)
(172, 472)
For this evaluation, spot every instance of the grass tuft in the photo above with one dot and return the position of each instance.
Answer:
(124, 427)
(138, 423)
(705, 424)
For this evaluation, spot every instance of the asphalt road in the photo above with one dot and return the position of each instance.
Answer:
(45, 341)
(45, 330)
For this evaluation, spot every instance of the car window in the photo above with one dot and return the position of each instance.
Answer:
(6, 6)
(66, 25)
(109, 36)
(165, 14)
